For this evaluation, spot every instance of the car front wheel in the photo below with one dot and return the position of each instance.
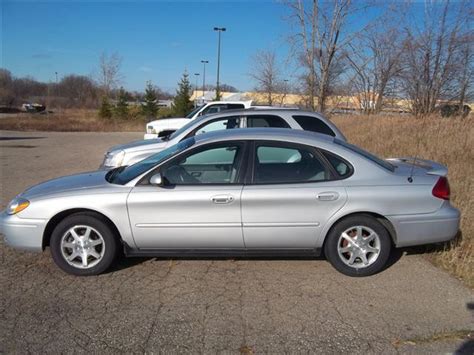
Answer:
(358, 246)
(83, 244)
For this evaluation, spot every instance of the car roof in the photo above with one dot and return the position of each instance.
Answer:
(277, 134)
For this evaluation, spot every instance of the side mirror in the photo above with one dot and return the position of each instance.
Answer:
(156, 180)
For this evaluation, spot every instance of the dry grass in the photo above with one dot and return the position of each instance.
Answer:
(68, 121)
(448, 141)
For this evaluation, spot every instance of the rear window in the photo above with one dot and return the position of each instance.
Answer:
(384, 164)
(314, 124)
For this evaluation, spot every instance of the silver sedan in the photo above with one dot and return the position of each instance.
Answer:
(239, 192)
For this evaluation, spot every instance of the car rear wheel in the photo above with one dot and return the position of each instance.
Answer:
(83, 244)
(358, 246)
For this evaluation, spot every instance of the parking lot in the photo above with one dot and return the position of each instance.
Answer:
(211, 305)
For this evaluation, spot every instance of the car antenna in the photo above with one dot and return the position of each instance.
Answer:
(410, 178)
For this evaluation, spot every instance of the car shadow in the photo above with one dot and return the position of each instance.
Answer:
(395, 255)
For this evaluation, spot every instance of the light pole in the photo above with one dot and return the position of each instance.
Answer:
(219, 30)
(195, 98)
(204, 62)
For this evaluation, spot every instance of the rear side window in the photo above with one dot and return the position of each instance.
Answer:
(342, 168)
(314, 124)
(220, 107)
(254, 121)
(235, 106)
(287, 165)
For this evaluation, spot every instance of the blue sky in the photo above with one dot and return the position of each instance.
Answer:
(157, 40)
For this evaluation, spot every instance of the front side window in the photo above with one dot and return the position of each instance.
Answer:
(254, 121)
(220, 124)
(314, 124)
(292, 164)
(214, 165)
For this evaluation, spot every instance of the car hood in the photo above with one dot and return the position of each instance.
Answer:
(146, 143)
(166, 121)
(76, 182)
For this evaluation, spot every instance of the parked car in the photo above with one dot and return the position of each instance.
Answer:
(127, 154)
(165, 126)
(239, 192)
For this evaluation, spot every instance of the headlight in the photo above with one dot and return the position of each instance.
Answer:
(18, 204)
(114, 159)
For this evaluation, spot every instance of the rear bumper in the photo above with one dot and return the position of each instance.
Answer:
(150, 136)
(20, 233)
(440, 226)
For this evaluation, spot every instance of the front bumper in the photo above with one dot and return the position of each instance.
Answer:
(418, 229)
(21, 233)
(150, 136)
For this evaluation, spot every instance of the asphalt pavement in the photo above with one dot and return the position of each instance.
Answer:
(247, 306)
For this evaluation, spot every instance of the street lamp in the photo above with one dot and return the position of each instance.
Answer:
(204, 62)
(195, 98)
(219, 30)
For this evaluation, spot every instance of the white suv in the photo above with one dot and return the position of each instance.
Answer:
(130, 153)
(165, 126)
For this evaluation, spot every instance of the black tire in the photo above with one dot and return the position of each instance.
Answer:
(96, 222)
(331, 246)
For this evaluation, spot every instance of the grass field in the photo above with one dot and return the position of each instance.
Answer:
(448, 141)
(74, 120)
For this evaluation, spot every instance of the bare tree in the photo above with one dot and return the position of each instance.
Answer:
(109, 76)
(79, 90)
(430, 55)
(317, 43)
(466, 69)
(266, 72)
(375, 59)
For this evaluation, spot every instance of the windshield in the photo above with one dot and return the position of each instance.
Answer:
(122, 175)
(384, 164)
(178, 132)
(193, 112)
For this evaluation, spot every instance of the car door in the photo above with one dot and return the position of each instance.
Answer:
(293, 192)
(199, 204)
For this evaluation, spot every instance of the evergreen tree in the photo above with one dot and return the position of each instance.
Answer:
(121, 110)
(105, 110)
(182, 104)
(150, 108)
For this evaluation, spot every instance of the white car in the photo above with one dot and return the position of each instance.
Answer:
(165, 126)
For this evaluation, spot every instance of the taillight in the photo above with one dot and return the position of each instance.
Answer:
(441, 189)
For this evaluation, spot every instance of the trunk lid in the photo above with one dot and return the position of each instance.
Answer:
(417, 166)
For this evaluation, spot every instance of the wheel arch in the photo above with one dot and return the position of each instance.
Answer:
(382, 219)
(56, 219)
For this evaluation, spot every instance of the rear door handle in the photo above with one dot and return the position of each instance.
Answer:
(222, 199)
(328, 196)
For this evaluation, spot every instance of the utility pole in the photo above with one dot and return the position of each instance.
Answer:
(204, 62)
(195, 97)
(219, 30)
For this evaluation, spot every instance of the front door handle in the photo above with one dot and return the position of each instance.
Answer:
(328, 196)
(222, 199)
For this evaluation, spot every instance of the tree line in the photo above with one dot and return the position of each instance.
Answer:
(422, 54)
